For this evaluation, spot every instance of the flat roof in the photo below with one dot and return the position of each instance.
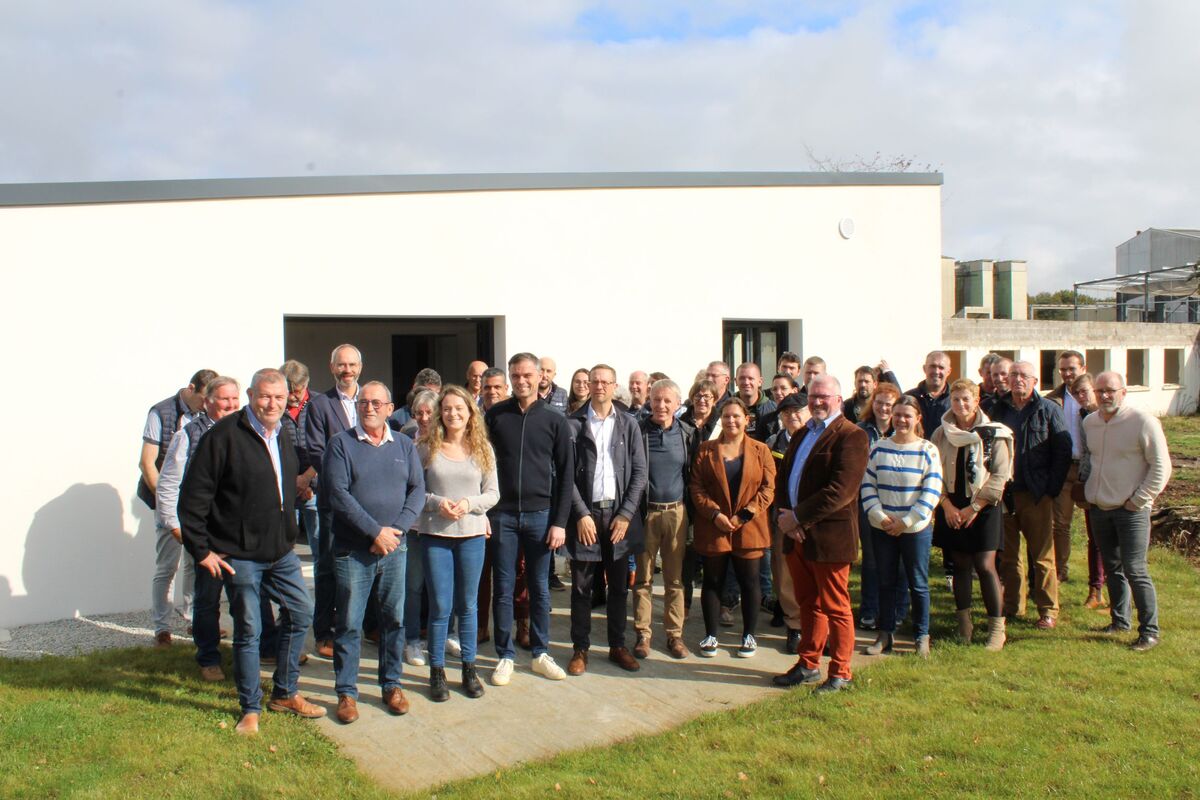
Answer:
(93, 192)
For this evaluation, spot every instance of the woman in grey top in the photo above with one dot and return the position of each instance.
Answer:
(460, 486)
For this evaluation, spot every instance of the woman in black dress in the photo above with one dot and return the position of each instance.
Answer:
(976, 458)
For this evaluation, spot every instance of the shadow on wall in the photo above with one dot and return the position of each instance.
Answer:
(80, 558)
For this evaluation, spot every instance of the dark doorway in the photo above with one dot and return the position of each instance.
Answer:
(757, 341)
(394, 349)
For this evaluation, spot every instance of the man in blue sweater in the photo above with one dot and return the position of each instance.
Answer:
(376, 489)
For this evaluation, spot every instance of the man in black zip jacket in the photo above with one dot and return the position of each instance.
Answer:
(534, 465)
(237, 515)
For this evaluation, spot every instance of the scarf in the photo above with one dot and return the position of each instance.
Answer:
(979, 441)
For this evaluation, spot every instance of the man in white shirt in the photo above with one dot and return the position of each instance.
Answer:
(1126, 467)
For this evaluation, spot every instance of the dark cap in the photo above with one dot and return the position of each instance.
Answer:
(790, 401)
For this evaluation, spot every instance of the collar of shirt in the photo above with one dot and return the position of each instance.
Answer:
(363, 436)
(593, 417)
(813, 422)
(259, 428)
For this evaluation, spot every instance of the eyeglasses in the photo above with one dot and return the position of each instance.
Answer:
(1107, 391)
(375, 404)
(1019, 376)
(601, 383)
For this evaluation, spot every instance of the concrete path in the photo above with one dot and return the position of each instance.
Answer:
(533, 718)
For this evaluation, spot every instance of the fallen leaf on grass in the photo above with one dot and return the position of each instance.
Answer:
(592, 781)
(558, 787)
(821, 780)
(743, 776)
(273, 749)
(247, 765)
(222, 725)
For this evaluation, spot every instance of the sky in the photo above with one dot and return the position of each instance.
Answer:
(1061, 128)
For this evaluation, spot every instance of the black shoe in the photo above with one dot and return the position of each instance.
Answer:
(793, 641)
(556, 584)
(777, 615)
(439, 692)
(797, 675)
(1144, 643)
(832, 685)
(472, 688)
(1112, 629)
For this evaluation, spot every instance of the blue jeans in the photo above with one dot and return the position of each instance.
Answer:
(1124, 538)
(206, 621)
(414, 587)
(521, 533)
(452, 569)
(911, 550)
(356, 572)
(284, 583)
(869, 606)
(320, 541)
(308, 519)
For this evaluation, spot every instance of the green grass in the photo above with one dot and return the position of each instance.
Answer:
(1065, 713)
(1183, 433)
(136, 723)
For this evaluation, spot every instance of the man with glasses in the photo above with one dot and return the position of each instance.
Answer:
(376, 488)
(237, 515)
(605, 526)
(1125, 468)
(329, 414)
(816, 497)
(1042, 458)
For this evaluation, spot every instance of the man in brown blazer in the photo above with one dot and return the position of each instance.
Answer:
(816, 494)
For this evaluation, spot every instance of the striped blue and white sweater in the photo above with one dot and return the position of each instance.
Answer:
(902, 481)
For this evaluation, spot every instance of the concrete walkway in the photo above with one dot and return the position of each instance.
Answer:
(533, 718)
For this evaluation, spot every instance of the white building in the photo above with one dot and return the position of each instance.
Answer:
(117, 292)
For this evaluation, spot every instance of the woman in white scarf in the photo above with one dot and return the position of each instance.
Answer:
(976, 464)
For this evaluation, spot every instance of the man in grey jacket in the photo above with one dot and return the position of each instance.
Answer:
(606, 523)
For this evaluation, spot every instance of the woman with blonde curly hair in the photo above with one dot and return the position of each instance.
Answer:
(460, 486)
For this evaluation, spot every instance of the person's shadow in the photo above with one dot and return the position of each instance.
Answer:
(80, 559)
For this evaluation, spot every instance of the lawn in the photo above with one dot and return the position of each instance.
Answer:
(1067, 713)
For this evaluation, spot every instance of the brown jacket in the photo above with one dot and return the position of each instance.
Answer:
(827, 500)
(710, 494)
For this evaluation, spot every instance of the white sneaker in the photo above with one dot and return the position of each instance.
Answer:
(749, 647)
(502, 674)
(544, 665)
(414, 654)
(453, 646)
(708, 647)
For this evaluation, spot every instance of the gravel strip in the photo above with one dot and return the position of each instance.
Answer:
(72, 637)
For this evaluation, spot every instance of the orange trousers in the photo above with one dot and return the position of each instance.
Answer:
(823, 593)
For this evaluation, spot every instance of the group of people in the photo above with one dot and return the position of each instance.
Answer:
(425, 516)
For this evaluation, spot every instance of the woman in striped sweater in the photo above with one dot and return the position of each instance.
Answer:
(899, 493)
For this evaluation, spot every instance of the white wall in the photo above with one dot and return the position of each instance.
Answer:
(640, 278)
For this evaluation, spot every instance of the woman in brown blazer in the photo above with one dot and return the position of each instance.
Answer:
(732, 485)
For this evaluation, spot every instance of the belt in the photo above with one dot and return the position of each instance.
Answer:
(663, 506)
(603, 505)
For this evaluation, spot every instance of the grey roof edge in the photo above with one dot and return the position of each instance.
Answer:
(96, 192)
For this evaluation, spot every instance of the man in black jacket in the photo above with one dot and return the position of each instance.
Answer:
(933, 393)
(236, 509)
(534, 465)
(606, 521)
(1042, 447)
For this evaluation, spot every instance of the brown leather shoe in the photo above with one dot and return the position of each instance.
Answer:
(578, 663)
(347, 710)
(523, 634)
(395, 701)
(162, 639)
(247, 725)
(372, 637)
(325, 648)
(642, 648)
(212, 674)
(623, 659)
(1093, 599)
(677, 648)
(296, 705)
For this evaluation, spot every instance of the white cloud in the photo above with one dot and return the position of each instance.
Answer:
(1061, 128)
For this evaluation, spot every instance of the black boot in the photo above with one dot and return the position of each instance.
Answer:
(438, 691)
(777, 615)
(470, 681)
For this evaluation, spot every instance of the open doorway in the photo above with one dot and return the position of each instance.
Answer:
(394, 349)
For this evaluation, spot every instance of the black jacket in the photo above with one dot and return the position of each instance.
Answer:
(628, 452)
(229, 502)
(1041, 447)
(534, 458)
(933, 408)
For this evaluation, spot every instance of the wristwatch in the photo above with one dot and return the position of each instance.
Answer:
(976, 507)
